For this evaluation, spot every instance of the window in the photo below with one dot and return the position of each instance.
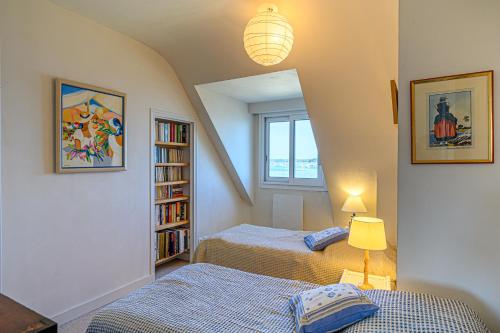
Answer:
(290, 155)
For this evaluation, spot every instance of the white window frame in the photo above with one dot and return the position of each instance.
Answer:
(317, 184)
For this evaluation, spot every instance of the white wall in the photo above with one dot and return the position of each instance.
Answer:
(68, 239)
(218, 204)
(317, 211)
(448, 214)
(344, 78)
(345, 64)
(234, 127)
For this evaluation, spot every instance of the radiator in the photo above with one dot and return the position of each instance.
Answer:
(288, 212)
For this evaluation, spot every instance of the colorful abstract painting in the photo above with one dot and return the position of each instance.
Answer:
(91, 128)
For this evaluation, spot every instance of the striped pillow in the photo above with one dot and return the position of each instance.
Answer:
(321, 239)
(330, 308)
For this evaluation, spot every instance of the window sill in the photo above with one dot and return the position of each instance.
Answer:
(280, 186)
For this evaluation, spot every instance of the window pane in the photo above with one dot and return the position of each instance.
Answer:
(306, 153)
(279, 150)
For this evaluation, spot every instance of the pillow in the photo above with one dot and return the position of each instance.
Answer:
(321, 239)
(330, 308)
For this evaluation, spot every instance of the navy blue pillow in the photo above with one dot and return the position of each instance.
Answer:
(319, 240)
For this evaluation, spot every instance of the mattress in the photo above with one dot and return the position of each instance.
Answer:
(282, 253)
(210, 298)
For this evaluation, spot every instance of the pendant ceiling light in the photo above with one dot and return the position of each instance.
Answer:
(268, 37)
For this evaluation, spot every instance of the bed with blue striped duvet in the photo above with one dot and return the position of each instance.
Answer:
(210, 298)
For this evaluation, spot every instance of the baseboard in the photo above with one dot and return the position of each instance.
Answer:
(86, 307)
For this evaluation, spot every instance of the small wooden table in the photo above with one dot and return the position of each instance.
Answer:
(16, 318)
(355, 278)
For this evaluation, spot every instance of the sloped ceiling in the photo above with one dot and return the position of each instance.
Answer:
(261, 88)
(345, 53)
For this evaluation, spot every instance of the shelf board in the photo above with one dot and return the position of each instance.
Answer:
(160, 201)
(171, 164)
(176, 182)
(172, 144)
(164, 260)
(171, 225)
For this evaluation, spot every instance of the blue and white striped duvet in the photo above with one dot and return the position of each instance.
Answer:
(210, 298)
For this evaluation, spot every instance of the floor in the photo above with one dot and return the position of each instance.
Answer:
(80, 325)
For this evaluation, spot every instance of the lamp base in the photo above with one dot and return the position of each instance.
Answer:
(365, 286)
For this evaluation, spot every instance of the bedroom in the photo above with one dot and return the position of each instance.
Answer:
(84, 240)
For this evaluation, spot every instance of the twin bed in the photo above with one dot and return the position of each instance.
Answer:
(207, 297)
(282, 253)
(210, 298)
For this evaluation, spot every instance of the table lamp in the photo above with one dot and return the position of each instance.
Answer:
(367, 233)
(354, 204)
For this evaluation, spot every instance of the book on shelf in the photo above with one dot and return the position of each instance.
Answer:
(168, 192)
(171, 212)
(171, 132)
(167, 174)
(168, 155)
(172, 242)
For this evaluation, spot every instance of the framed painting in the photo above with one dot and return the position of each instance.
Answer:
(452, 119)
(90, 128)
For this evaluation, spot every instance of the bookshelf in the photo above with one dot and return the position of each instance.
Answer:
(172, 187)
(171, 225)
(175, 182)
(170, 200)
(171, 164)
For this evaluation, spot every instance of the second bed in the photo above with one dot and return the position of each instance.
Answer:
(282, 253)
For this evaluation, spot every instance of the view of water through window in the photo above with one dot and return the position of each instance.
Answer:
(279, 149)
(306, 153)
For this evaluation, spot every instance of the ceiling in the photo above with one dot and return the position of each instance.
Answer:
(260, 88)
(178, 30)
(145, 19)
(201, 39)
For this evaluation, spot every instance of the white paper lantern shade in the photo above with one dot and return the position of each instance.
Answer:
(268, 37)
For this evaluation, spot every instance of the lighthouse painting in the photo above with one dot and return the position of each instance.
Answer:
(450, 120)
(91, 128)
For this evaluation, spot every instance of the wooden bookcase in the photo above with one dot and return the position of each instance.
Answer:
(172, 187)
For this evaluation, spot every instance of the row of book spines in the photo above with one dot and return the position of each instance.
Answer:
(172, 242)
(171, 213)
(168, 174)
(171, 132)
(166, 155)
(168, 192)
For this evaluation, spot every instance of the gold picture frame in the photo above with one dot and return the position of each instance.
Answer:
(452, 119)
(90, 128)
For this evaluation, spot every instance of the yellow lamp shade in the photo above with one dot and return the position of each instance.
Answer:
(367, 233)
(268, 37)
(354, 204)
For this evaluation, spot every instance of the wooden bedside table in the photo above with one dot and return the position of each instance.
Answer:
(355, 278)
(16, 318)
